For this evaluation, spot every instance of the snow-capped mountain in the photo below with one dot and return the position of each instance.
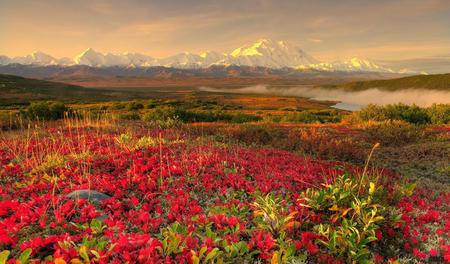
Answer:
(93, 58)
(4, 60)
(37, 57)
(351, 65)
(270, 54)
(90, 57)
(212, 57)
(263, 53)
(182, 60)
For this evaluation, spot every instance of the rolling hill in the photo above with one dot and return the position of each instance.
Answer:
(15, 89)
(429, 82)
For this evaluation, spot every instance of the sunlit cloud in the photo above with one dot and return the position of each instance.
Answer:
(385, 29)
(315, 40)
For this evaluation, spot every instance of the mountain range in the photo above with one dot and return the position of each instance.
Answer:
(263, 53)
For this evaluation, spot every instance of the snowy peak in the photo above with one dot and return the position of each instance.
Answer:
(93, 58)
(90, 57)
(361, 64)
(270, 53)
(182, 60)
(36, 58)
(4, 60)
(42, 58)
(351, 65)
(265, 53)
(262, 53)
(212, 57)
(250, 50)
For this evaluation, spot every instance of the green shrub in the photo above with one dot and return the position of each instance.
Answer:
(160, 114)
(244, 118)
(351, 214)
(372, 112)
(117, 106)
(272, 215)
(129, 116)
(208, 116)
(9, 120)
(164, 113)
(46, 110)
(166, 123)
(313, 116)
(391, 132)
(412, 114)
(439, 113)
(300, 117)
(134, 106)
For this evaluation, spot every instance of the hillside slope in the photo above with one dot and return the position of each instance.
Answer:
(15, 89)
(430, 82)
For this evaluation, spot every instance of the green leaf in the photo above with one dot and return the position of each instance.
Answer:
(112, 246)
(243, 247)
(95, 253)
(202, 251)
(195, 259)
(211, 255)
(371, 188)
(4, 256)
(25, 256)
(83, 254)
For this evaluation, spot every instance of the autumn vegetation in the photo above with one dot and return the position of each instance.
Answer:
(204, 182)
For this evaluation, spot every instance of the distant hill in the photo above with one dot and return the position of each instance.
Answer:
(15, 89)
(431, 82)
(96, 76)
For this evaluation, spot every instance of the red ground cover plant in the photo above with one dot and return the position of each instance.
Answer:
(174, 200)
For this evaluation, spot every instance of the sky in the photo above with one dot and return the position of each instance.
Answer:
(327, 29)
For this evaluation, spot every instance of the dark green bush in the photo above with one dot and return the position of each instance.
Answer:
(46, 110)
(313, 116)
(129, 116)
(412, 114)
(372, 112)
(118, 106)
(207, 116)
(134, 106)
(439, 113)
(166, 112)
(244, 118)
(160, 113)
(409, 113)
(9, 120)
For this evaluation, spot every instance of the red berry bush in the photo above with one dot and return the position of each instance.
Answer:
(170, 198)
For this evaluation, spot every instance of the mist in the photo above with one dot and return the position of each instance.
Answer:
(348, 100)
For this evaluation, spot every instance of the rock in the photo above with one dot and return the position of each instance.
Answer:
(90, 195)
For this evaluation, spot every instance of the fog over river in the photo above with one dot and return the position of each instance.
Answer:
(349, 100)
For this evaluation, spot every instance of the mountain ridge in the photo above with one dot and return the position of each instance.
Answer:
(56, 72)
(263, 53)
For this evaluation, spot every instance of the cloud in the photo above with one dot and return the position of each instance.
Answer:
(165, 27)
(315, 40)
